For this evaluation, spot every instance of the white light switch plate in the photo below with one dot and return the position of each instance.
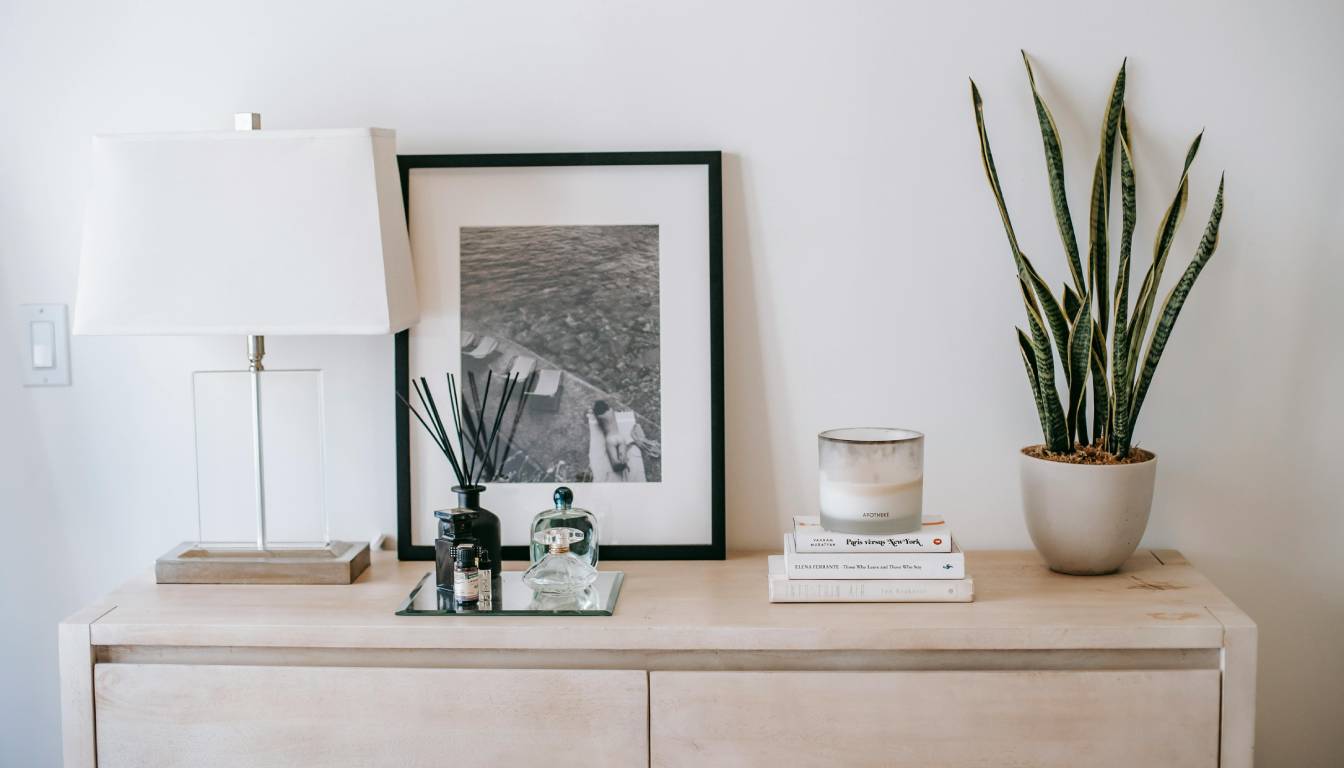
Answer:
(44, 340)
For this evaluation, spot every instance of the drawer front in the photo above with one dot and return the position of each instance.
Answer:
(1039, 718)
(203, 716)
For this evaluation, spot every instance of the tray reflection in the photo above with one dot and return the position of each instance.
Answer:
(514, 598)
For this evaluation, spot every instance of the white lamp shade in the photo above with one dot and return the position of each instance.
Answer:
(248, 233)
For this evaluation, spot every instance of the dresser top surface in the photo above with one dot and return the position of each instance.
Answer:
(1157, 600)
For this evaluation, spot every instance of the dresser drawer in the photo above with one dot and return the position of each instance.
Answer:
(203, 716)
(1038, 718)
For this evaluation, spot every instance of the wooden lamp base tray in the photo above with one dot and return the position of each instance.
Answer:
(340, 562)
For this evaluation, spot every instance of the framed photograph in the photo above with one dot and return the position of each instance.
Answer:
(597, 278)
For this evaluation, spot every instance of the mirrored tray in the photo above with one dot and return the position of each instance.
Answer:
(519, 599)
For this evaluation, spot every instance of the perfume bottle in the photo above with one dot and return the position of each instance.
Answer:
(466, 577)
(566, 515)
(488, 580)
(559, 571)
(465, 524)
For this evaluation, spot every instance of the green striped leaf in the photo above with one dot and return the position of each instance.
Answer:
(1071, 302)
(1080, 349)
(1099, 246)
(1118, 436)
(1166, 233)
(992, 173)
(1054, 166)
(1171, 308)
(1071, 306)
(1025, 271)
(1101, 396)
(1057, 438)
(1056, 433)
(1055, 318)
(1029, 359)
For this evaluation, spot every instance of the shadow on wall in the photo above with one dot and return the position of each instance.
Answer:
(752, 501)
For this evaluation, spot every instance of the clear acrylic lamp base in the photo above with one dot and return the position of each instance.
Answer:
(260, 486)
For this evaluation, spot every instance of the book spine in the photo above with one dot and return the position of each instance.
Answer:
(888, 565)
(895, 591)
(952, 566)
(840, 542)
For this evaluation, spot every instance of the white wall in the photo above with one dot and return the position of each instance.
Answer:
(867, 276)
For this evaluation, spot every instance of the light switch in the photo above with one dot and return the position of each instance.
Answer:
(43, 343)
(46, 345)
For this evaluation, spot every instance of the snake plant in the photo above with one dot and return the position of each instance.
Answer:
(1078, 325)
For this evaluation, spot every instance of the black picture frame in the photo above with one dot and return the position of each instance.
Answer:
(713, 161)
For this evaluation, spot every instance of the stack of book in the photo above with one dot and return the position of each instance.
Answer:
(821, 566)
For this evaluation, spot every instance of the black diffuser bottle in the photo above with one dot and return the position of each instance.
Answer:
(468, 521)
(477, 423)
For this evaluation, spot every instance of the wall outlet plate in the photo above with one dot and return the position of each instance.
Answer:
(44, 340)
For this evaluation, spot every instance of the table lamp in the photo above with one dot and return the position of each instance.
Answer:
(249, 233)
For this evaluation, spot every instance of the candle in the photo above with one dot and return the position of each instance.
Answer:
(872, 480)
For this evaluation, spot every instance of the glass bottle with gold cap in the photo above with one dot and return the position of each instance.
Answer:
(559, 571)
(566, 515)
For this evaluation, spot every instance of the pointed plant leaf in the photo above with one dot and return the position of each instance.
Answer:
(1166, 232)
(1054, 166)
(1080, 348)
(992, 174)
(1171, 308)
(1029, 359)
(1117, 439)
(1099, 246)
(1055, 318)
(1071, 302)
(1098, 254)
(1057, 435)
(1101, 396)
(1084, 437)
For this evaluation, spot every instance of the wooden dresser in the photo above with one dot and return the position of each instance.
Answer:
(1152, 666)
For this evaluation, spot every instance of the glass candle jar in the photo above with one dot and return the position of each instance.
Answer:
(872, 480)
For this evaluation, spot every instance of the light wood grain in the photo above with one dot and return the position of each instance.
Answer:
(340, 562)
(964, 719)
(1069, 666)
(156, 716)
(1238, 715)
(489, 658)
(76, 672)
(696, 606)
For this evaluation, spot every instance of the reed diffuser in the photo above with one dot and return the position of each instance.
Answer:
(480, 428)
(474, 426)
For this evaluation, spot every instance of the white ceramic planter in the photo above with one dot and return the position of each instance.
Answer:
(1086, 519)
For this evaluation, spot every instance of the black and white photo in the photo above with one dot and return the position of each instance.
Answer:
(573, 312)
(592, 284)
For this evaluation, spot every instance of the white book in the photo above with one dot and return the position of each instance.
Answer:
(809, 536)
(786, 590)
(873, 565)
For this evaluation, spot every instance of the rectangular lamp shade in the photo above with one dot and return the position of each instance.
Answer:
(245, 233)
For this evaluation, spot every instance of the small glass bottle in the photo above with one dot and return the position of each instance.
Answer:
(486, 577)
(559, 571)
(566, 515)
(466, 577)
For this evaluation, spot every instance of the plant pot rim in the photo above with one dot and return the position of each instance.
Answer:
(1152, 457)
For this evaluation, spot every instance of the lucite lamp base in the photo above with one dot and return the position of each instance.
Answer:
(340, 562)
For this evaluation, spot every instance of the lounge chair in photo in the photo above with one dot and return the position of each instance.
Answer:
(468, 338)
(484, 349)
(522, 367)
(545, 391)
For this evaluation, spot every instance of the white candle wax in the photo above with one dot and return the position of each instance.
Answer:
(872, 480)
(872, 507)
